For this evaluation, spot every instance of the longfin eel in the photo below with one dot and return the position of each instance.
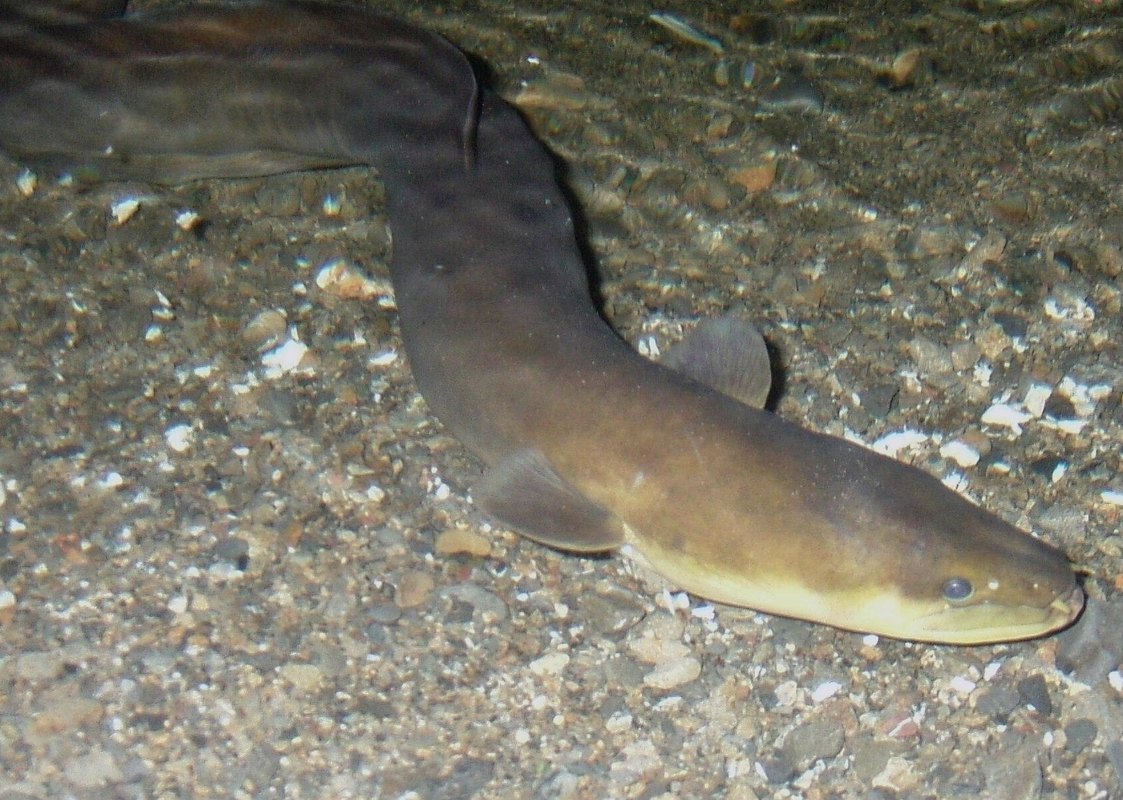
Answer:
(588, 444)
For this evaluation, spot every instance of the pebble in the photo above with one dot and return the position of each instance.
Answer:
(1034, 692)
(1012, 771)
(656, 641)
(549, 664)
(180, 437)
(814, 741)
(68, 713)
(672, 673)
(897, 776)
(266, 330)
(611, 614)
(794, 92)
(753, 178)
(555, 90)
(304, 678)
(1079, 734)
(931, 358)
(486, 604)
(1092, 648)
(338, 278)
(997, 701)
(462, 541)
(94, 769)
(385, 613)
(39, 666)
(962, 453)
(414, 589)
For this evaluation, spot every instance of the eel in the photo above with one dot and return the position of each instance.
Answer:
(588, 446)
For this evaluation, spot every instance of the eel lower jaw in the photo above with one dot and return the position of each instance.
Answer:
(990, 623)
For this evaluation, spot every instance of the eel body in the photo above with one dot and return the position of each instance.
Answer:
(588, 445)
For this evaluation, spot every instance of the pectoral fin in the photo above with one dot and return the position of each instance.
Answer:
(525, 493)
(727, 354)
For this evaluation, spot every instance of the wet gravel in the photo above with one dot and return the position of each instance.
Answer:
(238, 556)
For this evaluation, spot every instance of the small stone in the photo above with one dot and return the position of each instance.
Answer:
(486, 604)
(779, 768)
(339, 278)
(1079, 734)
(549, 664)
(39, 666)
(814, 741)
(557, 89)
(657, 651)
(612, 614)
(997, 701)
(962, 453)
(68, 713)
(414, 589)
(96, 768)
(303, 677)
(179, 437)
(456, 541)
(898, 775)
(123, 210)
(754, 177)
(385, 613)
(676, 672)
(907, 67)
(266, 330)
(1034, 692)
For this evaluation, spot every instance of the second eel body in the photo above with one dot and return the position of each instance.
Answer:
(589, 446)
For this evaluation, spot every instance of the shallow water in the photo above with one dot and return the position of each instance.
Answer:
(239, 576)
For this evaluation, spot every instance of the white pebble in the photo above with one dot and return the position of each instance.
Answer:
(7, 599)
(284, 358)
(1004, 415)
(385, 358)
(618, 722)
(787, 693)
(123, 210)
(26, 182)
(673, 673)
(549, 664)
(178, 604)
(825, 691)
(112, 480)
(892, 443)
(179, 437)
(961, 453)
(963, 685)
(704, 611)
(1036, 398)
(1112, 497)
(186, 220)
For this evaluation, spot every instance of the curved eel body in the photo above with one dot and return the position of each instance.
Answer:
(589, 446)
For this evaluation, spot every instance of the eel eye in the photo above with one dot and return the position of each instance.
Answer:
(958, 589)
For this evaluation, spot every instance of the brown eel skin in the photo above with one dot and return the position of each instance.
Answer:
(589, 446)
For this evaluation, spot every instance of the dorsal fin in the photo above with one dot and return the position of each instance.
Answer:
(727, 354)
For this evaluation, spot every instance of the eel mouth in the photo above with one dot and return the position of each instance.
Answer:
(990, 623)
